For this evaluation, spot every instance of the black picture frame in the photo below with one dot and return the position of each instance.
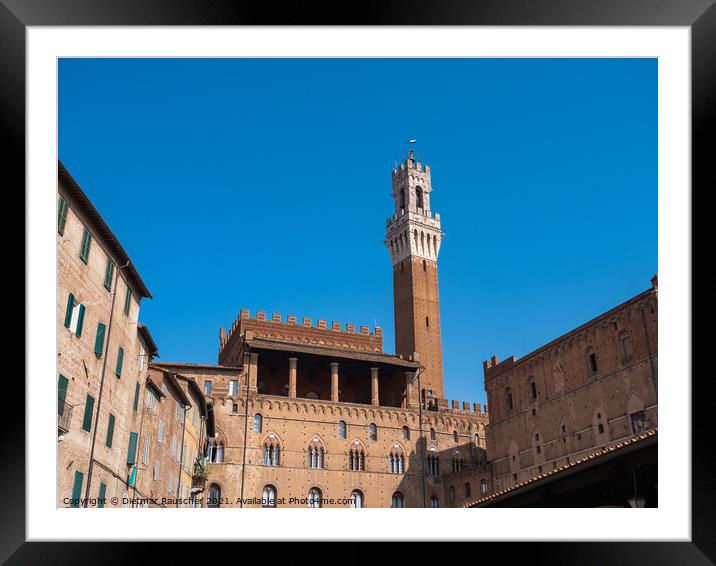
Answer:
(698, 15)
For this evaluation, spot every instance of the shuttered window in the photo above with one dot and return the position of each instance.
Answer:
(99, 340)
(101, 495)
(89, 409)
(147, 444)
(85, 248)
(74, 315)
(77, 489)
(62, 207)
(108, 274)
(132, 450)
(136, 398)
(61, 394)
(110, 431)
(120, 361)
(127, 300)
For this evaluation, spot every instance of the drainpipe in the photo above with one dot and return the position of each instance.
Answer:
(101, 388)
(181, 454)
(246, 421)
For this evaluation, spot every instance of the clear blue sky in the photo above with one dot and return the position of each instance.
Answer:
(265, 184)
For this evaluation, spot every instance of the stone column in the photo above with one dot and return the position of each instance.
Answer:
(292, 377)
(253, 372)
(334, 382)
(374, 387)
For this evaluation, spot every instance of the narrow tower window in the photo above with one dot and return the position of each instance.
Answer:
(418, 197)
(427, 322)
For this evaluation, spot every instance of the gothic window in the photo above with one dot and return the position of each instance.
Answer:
(258, 422)
(214, 496)
(418, 197)
(638, 422)
(434, 502)
(396, 460)
(271, 455)
(373, 432)
(402, 198)
(356, 499)
(433, 464)
(214, 452)
(508, 398)
(457, 463)
(268, 497)
(314, 498)
(316, 454)
(356, 458)
(406, 433)
(342, 430)
(433, 434)
(483, 487)
(451, 495)
(398, 501)
(468, 490)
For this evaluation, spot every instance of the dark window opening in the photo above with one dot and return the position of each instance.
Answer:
(593, 362)
(601, 428)
(533, 390)
(418, 197)
(427, 322)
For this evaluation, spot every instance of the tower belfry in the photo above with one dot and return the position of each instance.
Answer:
(413, 239)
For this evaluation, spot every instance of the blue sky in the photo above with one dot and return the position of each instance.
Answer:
(265, 184)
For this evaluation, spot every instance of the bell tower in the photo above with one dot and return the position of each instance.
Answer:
(413, 238)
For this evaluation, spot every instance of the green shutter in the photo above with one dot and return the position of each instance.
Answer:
(80, 321)
(108, 273)
(120, 360)
(99, 340)
(136, 398)
(89, 408)
(77, 489)
(68, 312)
(132, 451)
(86, 241)
(61, 395)
(110, 431)
(62, 207)
(127, 300)
(102, 493)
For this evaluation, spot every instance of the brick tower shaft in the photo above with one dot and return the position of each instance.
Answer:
(413, 239)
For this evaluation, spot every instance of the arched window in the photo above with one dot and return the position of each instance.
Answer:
(268, 497)
(342, 430)
(483, 487)
(373, 432)
(214, 496)
(356, 499)
(271, 451)
(258, 422)
(356, 458)
(418, 197)
(533, 389)
(592, 361)
(433, 464)
(434, 502)
(314, 498)
(457, 463)
(402, 198)
(398, 501)
(214, 452)
(508, 398)
(451, 495)
(396, 460)
(406, 433)
(433, 435)
(468, 489)
(455, 436)
(316, 454)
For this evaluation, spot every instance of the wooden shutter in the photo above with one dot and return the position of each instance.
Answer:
(61, 215)
(120, 360)
(100, 497)
(77, 488)
(89, 408)
(80, 321)
(127, 300)
(61, 394)
(136, 398)
(132, 450)
(68, 312)
(110, 431)
(99, 340)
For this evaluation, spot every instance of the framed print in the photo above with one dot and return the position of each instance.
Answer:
(484, 355)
